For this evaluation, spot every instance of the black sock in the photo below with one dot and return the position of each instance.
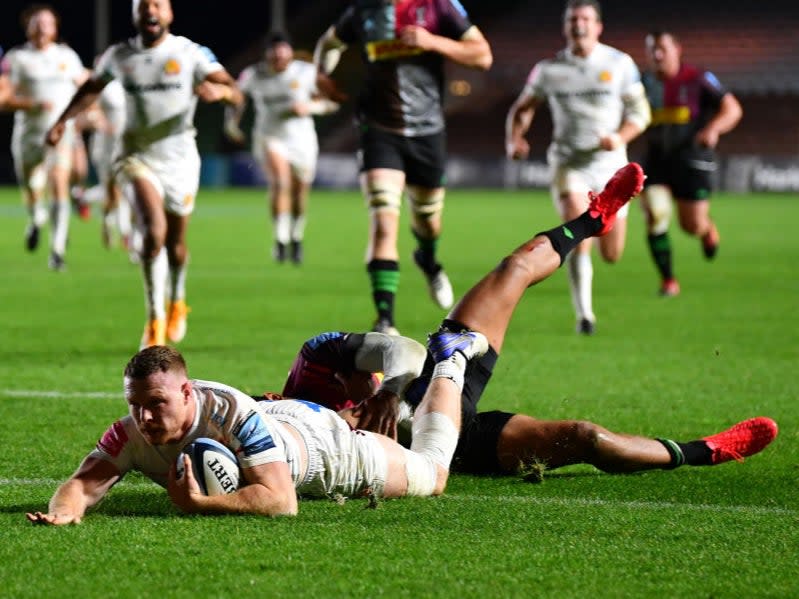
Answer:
(384, 277)
(566, 237)
(693, 453)
(660, 248)
(425, 255)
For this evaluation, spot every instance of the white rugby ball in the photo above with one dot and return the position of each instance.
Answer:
(214, 466)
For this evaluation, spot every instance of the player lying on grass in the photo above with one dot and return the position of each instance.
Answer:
(288, 448)
(337, 370)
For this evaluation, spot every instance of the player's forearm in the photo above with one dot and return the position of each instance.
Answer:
(728, 116)
(518, 122)
(251, 499)
(86, 95)
(328, 51)
(629, 130)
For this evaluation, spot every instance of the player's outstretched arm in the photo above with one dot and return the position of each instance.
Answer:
(219, 86)
(517, 123)
(269, 491)
(83, 98)
(83, 489)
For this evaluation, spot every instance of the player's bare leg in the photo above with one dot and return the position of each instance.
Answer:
(428, 205)
(278, 171)
(557, 443)
(488, 306)
(154, 263)
(383, 190)
(695, 220)
(178, 257)
(300, 190)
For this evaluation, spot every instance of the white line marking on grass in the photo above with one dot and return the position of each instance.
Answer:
(37, 482)
(633, 505)
(60, 394)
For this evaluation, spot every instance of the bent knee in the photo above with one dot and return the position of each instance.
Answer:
(586, 434)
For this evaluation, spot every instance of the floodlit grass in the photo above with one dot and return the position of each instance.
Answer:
(724, 350)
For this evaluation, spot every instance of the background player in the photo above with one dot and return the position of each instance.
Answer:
(42, 76)
(401, 125)
(598, 106)
(163, 75)
(284, 142)
(691, 109)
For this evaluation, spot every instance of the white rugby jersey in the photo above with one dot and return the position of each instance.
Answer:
(51, 74)
(159, 84)
(273, 94)
(585, 96)
(223, 413)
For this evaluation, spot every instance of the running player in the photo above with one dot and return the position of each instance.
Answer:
(163, 74)
(401, 125)
(284, 143)
(42, 76)
(691, 109)
(598, 106)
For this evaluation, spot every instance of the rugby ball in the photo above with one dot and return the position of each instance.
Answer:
(214, 466)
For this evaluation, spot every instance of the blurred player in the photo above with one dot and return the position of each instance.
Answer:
(691, 109)
(5, 85)
(401, 125)
(598, 106)
(106, 119)
(42, 76)
(284, 95)
(163, 75)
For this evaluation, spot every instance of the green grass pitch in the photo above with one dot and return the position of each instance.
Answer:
(724, 350)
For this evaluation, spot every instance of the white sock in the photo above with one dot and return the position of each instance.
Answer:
(59, 221)
(581, 275)
(38, 213)
(123, 217)
(282, 226)
(155, 272)
(298, 228)
(453, 368)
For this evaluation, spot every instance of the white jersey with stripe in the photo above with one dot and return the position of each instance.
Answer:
(47, 75)
(223, 413)
(585, 96)
(159, 85)
(274, 93)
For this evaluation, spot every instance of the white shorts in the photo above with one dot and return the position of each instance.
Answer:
(301, 154)
(589, 172)
(171, 165)
(30, 151)
(340, 460)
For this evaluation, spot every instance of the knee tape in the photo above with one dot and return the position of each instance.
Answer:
(659, 201)
(421, 473)
(382, 196)
(435, 437)
(426, 202)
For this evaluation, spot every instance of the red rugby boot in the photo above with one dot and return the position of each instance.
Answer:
(741, 440)
(622, 187)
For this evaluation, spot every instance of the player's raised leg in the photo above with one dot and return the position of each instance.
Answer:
(488, 306)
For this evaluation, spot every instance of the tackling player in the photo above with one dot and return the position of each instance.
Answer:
(42, 75)
(401, 125)
(284, 143)
(691, 109)
(598, 106)
(163, 74)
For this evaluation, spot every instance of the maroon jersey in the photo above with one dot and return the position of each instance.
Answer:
(404, 87)
(313, 373)
(681, 106)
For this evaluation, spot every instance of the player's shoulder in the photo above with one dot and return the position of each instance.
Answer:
(613, 53)
(183, 44)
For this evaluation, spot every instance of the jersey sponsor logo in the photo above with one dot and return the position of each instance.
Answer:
(62, 66)
(188, 200)
(389, 50)
(294, 84)
(588, 93)
(152, 87)
(254, 435)
(605, 76)
(671, 115)
(113, 440)
(172, 67)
